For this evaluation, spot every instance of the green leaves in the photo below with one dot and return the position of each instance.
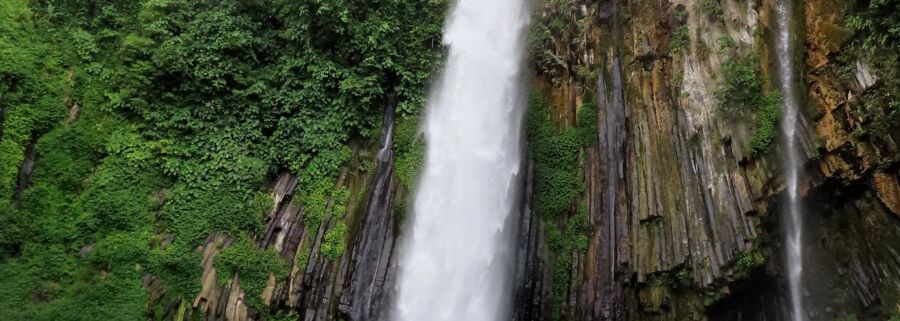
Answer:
(335, 243)
(253, 266)
(185, 108)
(879, 21)
(742, 92)
(556, 168)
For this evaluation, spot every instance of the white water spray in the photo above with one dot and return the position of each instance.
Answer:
(793, 225)
(455, 258)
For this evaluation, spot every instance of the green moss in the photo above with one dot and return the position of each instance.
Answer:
(588, 126)
(555, 155)
(565, 243)
(557, 184)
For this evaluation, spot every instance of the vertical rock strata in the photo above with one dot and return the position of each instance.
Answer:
(683, 215)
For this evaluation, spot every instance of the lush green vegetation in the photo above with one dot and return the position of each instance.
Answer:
(741, 92)
(253, 267)
(681, 38)
(588, 124)
(156, 123)
(878, 21)
(557, 186)
(877, 43)
(559, 32)
(557, 180)
(409, 150)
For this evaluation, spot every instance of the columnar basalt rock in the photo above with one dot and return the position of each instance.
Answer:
(681, 197)
(683, 214)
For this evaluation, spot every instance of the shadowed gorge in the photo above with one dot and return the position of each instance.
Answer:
(330, 160)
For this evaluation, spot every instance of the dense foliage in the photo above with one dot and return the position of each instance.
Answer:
(156, 123)
(555, 151)
(877, 43)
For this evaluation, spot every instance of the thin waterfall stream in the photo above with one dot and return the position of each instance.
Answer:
(455, 258)
(793, 222)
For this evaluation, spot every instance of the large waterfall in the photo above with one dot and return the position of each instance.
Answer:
(455, 257)
(793, 222)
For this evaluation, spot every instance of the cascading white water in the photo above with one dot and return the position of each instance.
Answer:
(455, 257)
(793, 224)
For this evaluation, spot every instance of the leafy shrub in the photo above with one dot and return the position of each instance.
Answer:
(555, 155)
(253, 266)
(741, 88)
(178, 265)
(681, 38)
(192, 214)
(878, 20)
(409, 148)
(335, 242)
(742, 92)
(713, 8)
(588, 126)
(767, 114)
(726, 44)
(121, 252)
(747, 261)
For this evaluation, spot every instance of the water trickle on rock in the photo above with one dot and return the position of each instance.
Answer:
(455, 256)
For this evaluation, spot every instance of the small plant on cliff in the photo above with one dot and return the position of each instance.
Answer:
(742, 87)
(588, 126)
(334, 244)
(714, 8)
(768, 110)
(747, 261)
(555, 153)
(253, 267)
(726, 44)
(680, 39)
(681, 34)
(742, 92)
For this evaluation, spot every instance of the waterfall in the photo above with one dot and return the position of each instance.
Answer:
(456, 252)
(793, 222)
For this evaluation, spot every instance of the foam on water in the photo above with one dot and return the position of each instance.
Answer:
(455, 254)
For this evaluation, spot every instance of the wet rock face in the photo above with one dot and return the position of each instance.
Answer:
(674, 195)
(664, 187)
